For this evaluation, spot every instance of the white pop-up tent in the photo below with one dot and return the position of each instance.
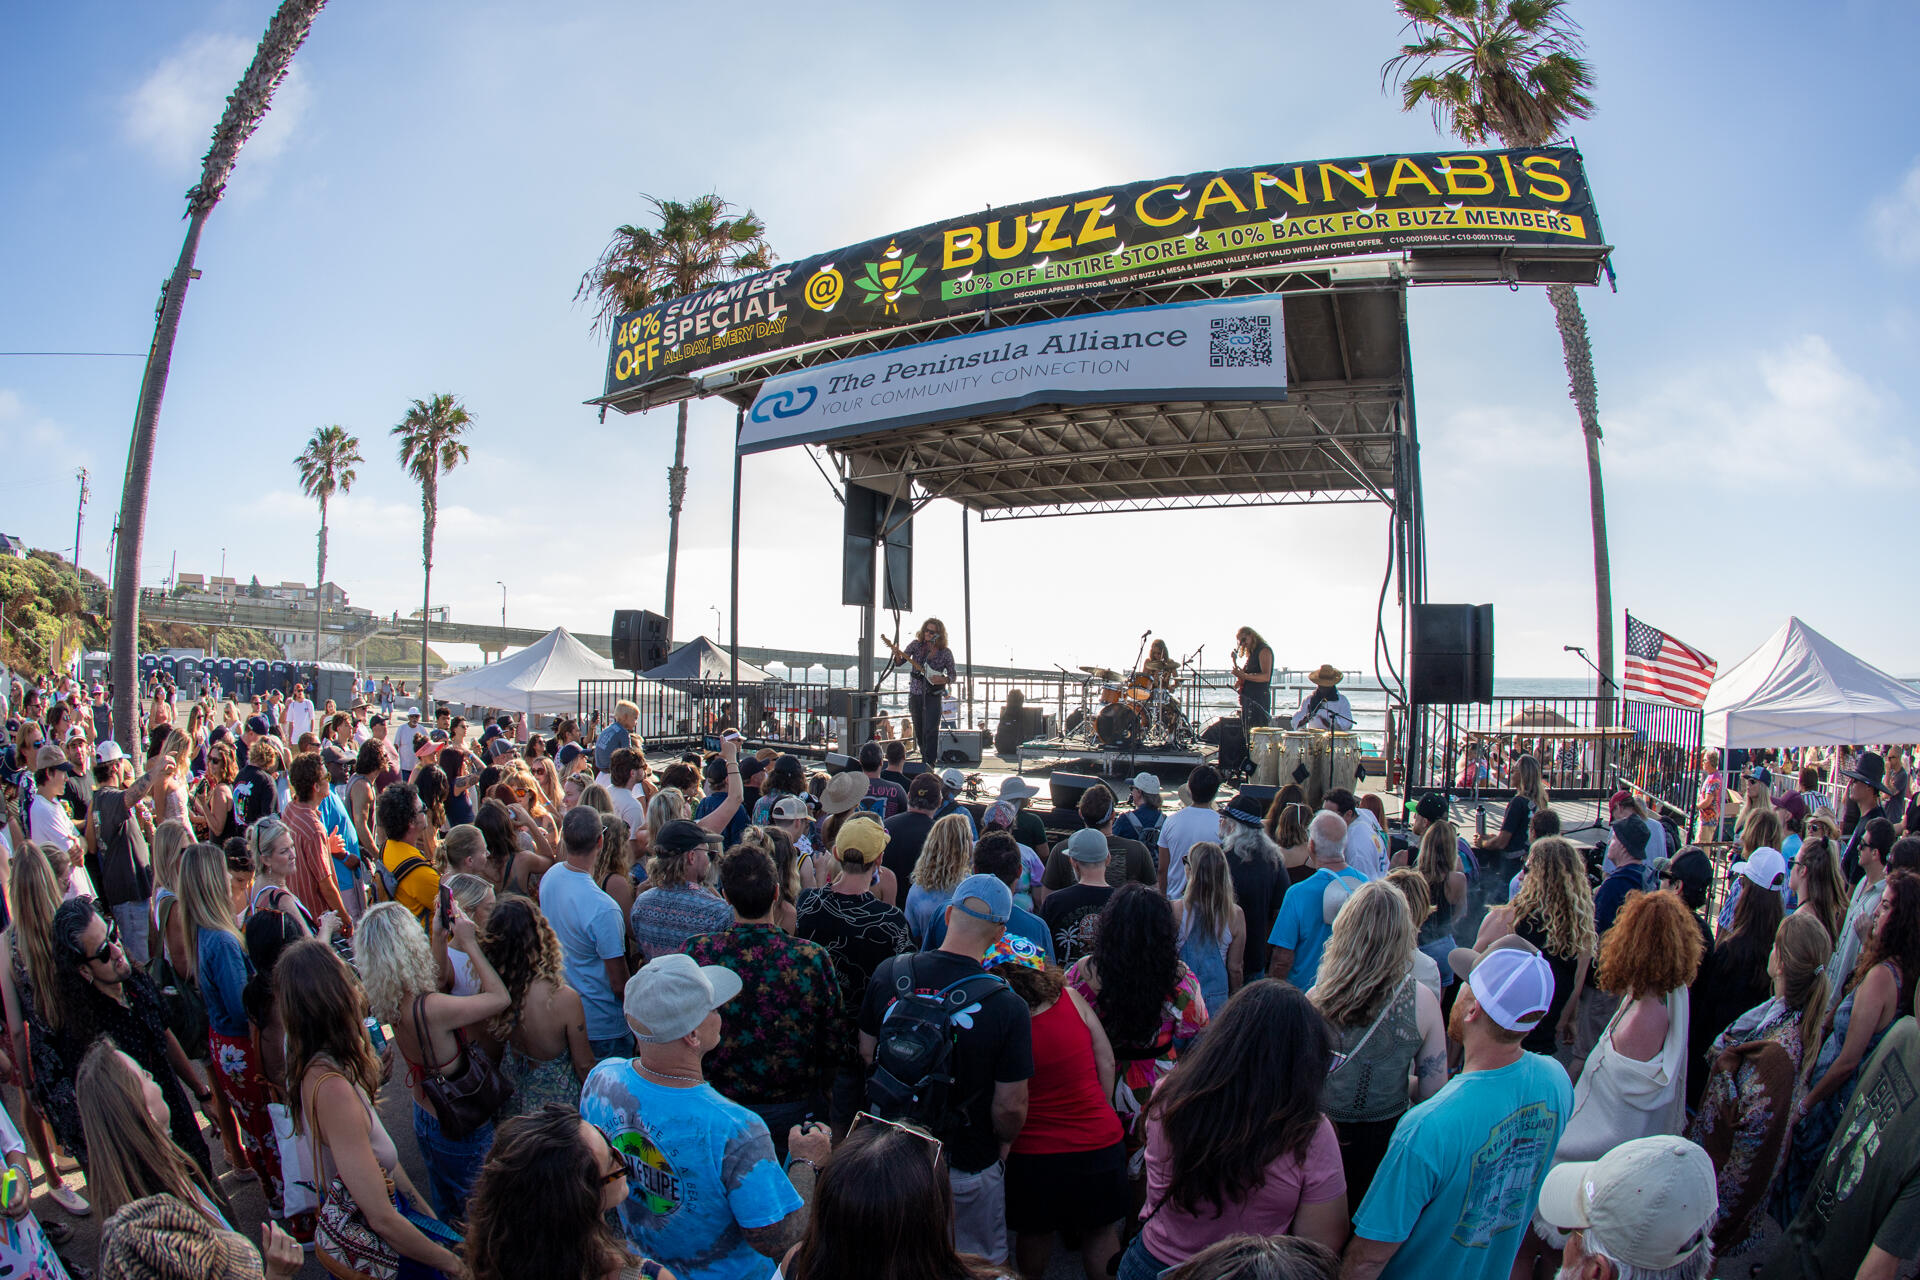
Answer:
(542, 679)
(1800, 689)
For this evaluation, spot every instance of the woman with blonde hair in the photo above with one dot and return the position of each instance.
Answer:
(134, 1156)
(541, 1037)
(1553, 912)
(1759, 1070)
(1426, 970)
(1511, 840)
(222, 970)
(1287, 821)
(169, 791)
(945, 860)
(395, 960)
(1387, 1028)
(1211, 926)
(370, 1214)
(669, 804)
(26, 948)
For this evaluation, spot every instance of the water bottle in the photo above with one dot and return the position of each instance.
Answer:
(1480, 822)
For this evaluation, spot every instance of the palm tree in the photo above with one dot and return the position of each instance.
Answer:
(429, 445)
(1511, 71)
(326, 468)
(698, 243)
(245, 109)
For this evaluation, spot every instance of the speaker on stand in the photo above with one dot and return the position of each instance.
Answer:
(639, 639)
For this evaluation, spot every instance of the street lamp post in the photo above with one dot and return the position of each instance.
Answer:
(718, 630)
(503, 601)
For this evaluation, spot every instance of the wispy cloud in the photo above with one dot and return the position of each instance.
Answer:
(172, 113)
(1895, 218)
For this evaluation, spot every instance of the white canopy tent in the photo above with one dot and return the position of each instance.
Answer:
(1800, 689)
(542, 679)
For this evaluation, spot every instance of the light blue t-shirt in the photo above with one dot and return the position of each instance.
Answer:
(1301, 927)
(587, 922)
(1462, 1175)
(924, 906)
(334, 821)
(699, 1168)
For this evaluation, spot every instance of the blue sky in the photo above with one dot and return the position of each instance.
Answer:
(434, 178)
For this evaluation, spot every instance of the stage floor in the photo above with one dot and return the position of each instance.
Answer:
(1172, 764)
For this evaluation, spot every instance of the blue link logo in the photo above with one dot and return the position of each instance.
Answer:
(783, 404)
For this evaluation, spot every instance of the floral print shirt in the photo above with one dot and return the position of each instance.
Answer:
(782, 1037)
(1181, 1018)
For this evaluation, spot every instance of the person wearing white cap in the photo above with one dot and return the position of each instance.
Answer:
(1643, 1211)
(952, 783)
(1456, 1190)
(705, 1196)
(1143, 823)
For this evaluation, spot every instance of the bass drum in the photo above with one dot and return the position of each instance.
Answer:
(1117, 725)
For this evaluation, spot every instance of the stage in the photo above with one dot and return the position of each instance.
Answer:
(1171, 764)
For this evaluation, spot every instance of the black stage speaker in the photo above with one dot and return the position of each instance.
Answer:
(868, 515)
(837, 763)
(639, 639)
(1452, 659)
(1257, 798)
(1065, 789)
(1227, 734)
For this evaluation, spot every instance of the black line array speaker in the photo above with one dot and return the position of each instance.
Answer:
(871, 517)
(639, 639)
(1452, 658)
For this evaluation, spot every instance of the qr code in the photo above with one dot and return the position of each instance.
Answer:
(1241, 342)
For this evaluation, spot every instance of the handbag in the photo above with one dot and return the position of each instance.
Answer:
(186, 1007)
(346, 1243)
(468, 1099)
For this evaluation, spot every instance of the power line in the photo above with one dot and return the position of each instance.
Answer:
(118, 355)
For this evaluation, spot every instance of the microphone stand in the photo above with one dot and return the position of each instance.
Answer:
(1606, 680)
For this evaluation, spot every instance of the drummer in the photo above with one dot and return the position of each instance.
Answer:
(1161, 668)
(1326, 707)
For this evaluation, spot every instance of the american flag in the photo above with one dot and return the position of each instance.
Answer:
(1662, 667)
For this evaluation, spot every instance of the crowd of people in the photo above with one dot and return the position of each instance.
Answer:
(719, 1015)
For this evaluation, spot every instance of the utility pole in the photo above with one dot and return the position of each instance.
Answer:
(79, 516)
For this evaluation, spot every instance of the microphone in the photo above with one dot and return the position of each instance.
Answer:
(1146, 633)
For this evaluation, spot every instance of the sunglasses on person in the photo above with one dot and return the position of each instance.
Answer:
(934, 1146)
(619, 1169)
(105, 951)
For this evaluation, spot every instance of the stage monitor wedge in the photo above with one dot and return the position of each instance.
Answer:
(1452, 654)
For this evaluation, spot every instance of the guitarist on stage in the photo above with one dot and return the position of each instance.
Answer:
(932, 663)
(1253, 678)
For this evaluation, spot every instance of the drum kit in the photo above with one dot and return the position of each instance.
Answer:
(1130, 711)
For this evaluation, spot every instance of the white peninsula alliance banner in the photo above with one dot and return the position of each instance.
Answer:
(1230, 350)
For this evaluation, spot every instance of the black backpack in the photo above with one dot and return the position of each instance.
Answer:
(913, 1054)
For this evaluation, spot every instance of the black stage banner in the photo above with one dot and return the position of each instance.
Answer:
(1203, 224)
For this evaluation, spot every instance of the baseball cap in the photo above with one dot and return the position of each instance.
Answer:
(1017, 788)
(925, 790)
(673, 994)
(991, 892)
(109, 751)
(1766, 868)
(1432, 806)
(414, 714)
(51, 757)
(863, 837)
(1620, 797)
(1650, 1202)
(952, 779)
(1146, 784)
(1514, 986)
(1631, 831)
(1794, 805)
(1087, 845)
(788, 808)
(1691, 868)
(568, 754)
(1760, 773)
(680, 836)
(377, 719)
(258, 725)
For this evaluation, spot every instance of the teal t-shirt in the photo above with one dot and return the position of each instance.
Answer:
(1301, 927)
(699, 1168)
(1462, 1175)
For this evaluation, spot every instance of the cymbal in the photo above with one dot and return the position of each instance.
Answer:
(1101, 673)
(1162, 664)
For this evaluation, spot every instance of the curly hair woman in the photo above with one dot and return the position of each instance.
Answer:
(1149, 1002)
(1554, 912)
(540, 1205)
(542, 1036)
(1879, 990)
(1236, 1141)
(945, 860)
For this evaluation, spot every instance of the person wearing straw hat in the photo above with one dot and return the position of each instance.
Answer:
(1326, 707)
(1459, 1182)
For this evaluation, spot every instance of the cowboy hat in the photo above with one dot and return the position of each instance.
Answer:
(1328, 674)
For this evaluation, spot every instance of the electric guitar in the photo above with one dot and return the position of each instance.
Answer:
(934, 679)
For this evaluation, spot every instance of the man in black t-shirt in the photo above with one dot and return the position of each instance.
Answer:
(991, 1063)
(890, 795)
(1073, 913)
(907, 832)
(895, 769)
(253, 789)
(1127, 859)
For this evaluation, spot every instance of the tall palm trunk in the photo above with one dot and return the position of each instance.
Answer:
(319, 590)
(1578, 352)
(133, 498)
(676, 495)
(429, 511)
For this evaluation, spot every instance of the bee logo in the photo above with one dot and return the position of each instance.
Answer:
(823, 288)
(891, 277)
